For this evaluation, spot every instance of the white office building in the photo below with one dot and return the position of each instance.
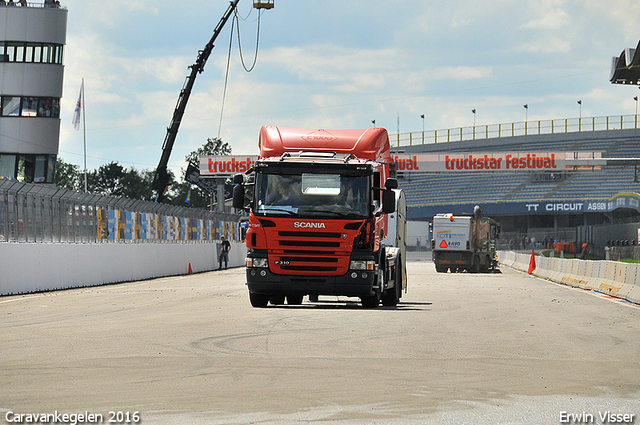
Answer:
(32, 39)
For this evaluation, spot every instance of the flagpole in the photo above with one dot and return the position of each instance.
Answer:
(84, 130)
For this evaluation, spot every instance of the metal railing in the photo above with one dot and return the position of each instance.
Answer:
(523, 128)
(16, 3)
(45, 213)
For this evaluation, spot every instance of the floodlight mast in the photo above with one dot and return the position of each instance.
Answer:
(161, 177)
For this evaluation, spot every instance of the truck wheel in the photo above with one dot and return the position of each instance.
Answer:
(294, 299)
(258, 300)
(276, 299)
(313, 298)
(441, 269)
(372, 301)
(391, 296)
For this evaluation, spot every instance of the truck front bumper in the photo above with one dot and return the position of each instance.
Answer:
(356, 283)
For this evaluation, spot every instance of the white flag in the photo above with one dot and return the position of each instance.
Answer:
(76, 113)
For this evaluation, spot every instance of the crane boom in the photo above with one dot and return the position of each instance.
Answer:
(161, 177)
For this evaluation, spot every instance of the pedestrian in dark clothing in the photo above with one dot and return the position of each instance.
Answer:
(224, 253)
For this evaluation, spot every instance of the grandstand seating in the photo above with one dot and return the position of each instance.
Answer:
(447, 188)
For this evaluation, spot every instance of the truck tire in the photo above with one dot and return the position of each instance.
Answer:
(258, 300)
(441, 269)
(372, 301)
(276, 299)
(294, 299)
(391, 296)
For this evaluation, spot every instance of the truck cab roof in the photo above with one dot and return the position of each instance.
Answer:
(369, 144)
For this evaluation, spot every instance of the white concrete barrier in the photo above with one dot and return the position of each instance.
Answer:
(34, 267)
(618, 279)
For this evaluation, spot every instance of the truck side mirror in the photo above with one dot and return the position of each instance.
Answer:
(388, 201)
(238, 191)
(391, 183)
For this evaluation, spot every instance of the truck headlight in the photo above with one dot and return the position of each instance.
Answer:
(257, 262)
(362, 265)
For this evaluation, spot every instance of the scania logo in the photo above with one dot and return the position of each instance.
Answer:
(304, 224)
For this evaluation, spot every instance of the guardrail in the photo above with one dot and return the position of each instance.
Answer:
(523, 128)
(44, 213)
(614, 278)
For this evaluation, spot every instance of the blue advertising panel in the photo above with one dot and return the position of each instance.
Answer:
(568, 206)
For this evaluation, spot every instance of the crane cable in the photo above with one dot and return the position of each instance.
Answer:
(236, 18)
(226, 79)
(255, 58)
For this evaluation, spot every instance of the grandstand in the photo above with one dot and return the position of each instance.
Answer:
(532, 202)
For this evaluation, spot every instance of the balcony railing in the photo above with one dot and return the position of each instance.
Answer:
(523, 128)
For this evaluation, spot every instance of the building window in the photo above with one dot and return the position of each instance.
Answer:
(29, 107)
(18, 51)
(7, 166)
(28, 168)
(10, 106)
(16, 106)
(37, 53)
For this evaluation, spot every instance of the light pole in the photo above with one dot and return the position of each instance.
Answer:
(374, 123)
(474, 123)
(580, 117)
(526, 116)
(422, 116)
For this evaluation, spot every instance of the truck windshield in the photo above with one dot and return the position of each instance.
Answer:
(312, 194)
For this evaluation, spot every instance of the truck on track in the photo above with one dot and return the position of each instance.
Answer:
(325, 217)
(464, 242)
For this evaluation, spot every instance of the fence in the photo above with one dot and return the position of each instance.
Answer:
(554, 126)
(45, 213)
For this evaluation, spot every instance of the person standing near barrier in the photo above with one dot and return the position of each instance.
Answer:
(225, 247)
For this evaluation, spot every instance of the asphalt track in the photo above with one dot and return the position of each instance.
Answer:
(459, 349)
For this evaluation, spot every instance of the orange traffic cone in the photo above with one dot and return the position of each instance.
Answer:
(532, 262)
(190, 271)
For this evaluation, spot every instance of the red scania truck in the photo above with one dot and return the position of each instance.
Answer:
(325, 217)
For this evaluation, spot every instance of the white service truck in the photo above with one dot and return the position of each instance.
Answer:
(464, 242)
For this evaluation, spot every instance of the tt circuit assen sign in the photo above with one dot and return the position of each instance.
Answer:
(570, 206)
(224, 166)
(497, 161)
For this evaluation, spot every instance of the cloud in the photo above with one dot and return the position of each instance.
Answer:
(553, 18)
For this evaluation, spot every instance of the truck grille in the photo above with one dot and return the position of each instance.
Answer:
(312, 243)
(313, 252)
(292, 234)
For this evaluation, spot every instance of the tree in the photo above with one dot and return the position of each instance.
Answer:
(211, 148)
(108, 180)
(198, 198)
(68, 176)
(137, 184)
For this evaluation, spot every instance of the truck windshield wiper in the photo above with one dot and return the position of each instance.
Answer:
(339, 214)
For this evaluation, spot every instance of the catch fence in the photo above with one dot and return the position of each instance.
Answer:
(45, 213)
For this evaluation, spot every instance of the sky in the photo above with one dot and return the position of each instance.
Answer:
(333, 64)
